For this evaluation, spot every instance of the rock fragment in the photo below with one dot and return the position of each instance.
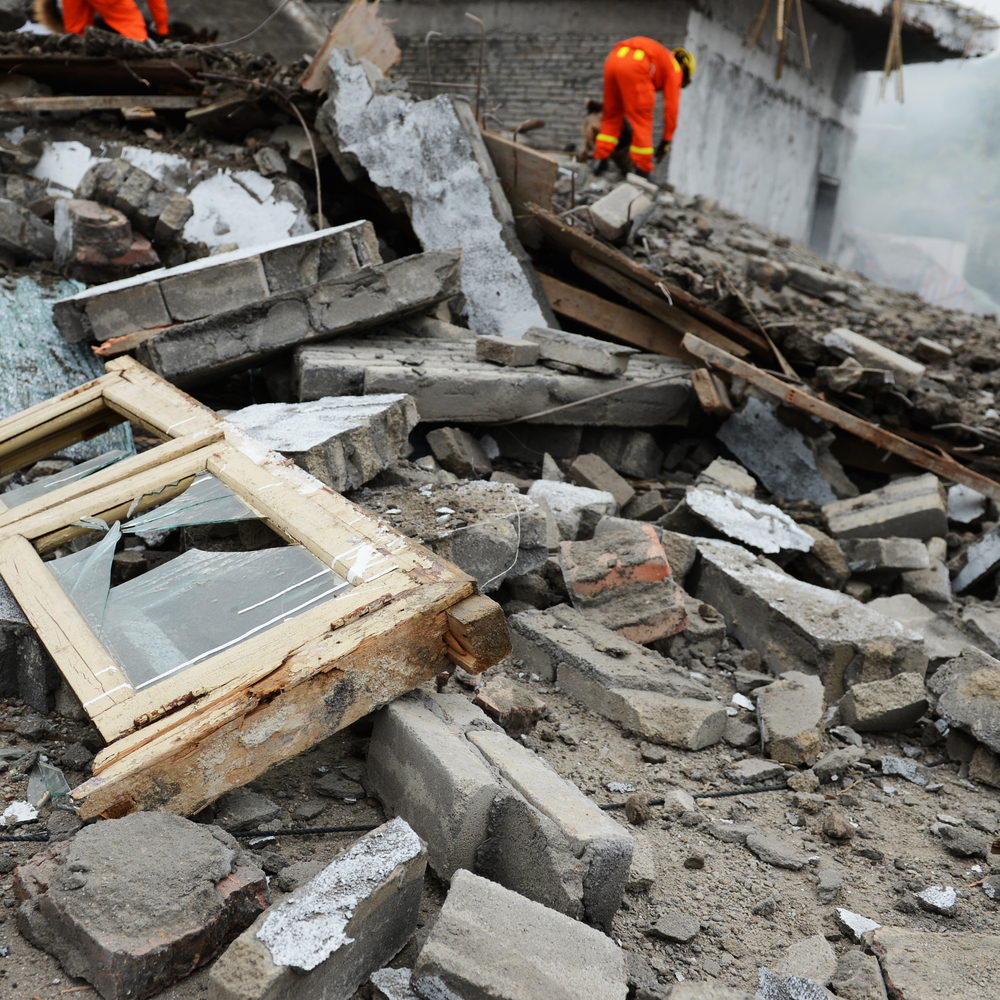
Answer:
(791, 715)
(886, 705)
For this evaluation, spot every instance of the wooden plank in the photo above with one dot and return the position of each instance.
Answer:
(126, 342)
(624, 324)
(50, 409)
(526, 176)
(940, 465)
(359, 28)
(571, 238)
(316, 692)
(712, 393)
(100, 503)
(655, 304)
(127, 467)
(87, 666)
(153, 403)
(98, 102)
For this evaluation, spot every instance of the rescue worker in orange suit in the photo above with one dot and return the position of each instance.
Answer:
(122, 16)
(634, 71)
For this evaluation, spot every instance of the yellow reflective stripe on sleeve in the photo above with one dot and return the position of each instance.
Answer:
(638, 54)
(641, 150)
(601, 137)
(623, 52)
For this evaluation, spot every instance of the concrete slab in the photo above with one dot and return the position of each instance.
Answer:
(915, 507)
(451, 384)
(448, 187)
(585, 352)
(344, 441)
(491, 942)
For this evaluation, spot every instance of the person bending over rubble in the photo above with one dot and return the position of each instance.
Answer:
(123, 16)
(634, 71)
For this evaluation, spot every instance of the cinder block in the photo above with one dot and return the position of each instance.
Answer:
(909, 508)
(491, 942)
(330, 935)
(621, 211)
(425, 771)
(137, 307)
(584, 352)
(195, 294)
(603, 847)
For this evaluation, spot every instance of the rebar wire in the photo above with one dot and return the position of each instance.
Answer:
(221, 45)
(482, 55)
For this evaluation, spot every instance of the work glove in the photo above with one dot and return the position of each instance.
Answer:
(600, 166)
(661, 150)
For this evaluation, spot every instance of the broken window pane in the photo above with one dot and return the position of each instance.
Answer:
(206, 501)
(22, 494)
(194, 606)
(86, 576)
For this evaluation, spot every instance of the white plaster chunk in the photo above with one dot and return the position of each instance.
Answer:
(939, 897)
(744, 519)
(305, 930)
(19, 812)
(965, 504)
(856, 924)
(564, 498)
(419, 152)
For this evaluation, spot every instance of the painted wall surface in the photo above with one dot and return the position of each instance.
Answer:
(756, 144)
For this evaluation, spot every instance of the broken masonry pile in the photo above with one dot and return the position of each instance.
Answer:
(727, 495)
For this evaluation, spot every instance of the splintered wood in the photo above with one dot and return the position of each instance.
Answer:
(403, 616)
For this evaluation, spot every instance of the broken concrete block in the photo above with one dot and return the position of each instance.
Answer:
(448, 188)
(574, 507)
(702, 638)
(981, 559)
(511, 706)
(846, 343)
(134, 904)
(622, 580)
(915, 507)
(230, 341)
(777, 851)
(392, 984)
(329, 935)
(646, 507)
(812, 281)
(425, 771)
(728, 476)
(603, 848)
(791, 717)
(689, 723)
(942, 640)
(621, 211)
(872, 555)
(491, 942)
(243, 809)
(23, 234)
(594, 473)
(585, 352)
(343, 442)
(460, 453)
(795, 625)
(190, 295)
(984, 767)
(931, 351)
(507, 351)
(27, 670)
(745, 520)
(681, 552)
(824, 564)
(932, 585)
(812, 958)
(965, 692)
(632, 453)
(858, 977)
(884, 706)
(776, 454)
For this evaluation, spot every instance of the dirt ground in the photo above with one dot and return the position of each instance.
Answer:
(691, 872)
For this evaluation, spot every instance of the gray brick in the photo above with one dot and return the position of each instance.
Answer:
(207, 292)
(138, 307)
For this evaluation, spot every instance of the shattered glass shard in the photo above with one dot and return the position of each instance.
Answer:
(22, 494)
(206, 501)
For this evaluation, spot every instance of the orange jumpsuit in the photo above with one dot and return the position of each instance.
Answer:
(636, 69)
(122, 16)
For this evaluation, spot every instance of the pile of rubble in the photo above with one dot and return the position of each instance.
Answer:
(741, 726)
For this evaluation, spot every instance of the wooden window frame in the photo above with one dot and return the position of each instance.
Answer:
(191, 737)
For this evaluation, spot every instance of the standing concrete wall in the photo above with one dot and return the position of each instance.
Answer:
(757, 145)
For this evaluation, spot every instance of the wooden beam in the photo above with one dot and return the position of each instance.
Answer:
(99, 102)
(572, 238)
(712, 393)
(940, 465)
(655, 304)
(126, 342)
(631, 327)
(478, 625)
